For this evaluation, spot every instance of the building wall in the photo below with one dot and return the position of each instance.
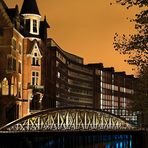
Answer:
(5, 48)
(89, 85)
(11, 71)
(74, 81)
(49, 99)
(80, 82)
(32, 72)
(38, 75)
(16, 53)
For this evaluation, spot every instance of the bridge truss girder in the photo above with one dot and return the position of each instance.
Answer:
(68, 120)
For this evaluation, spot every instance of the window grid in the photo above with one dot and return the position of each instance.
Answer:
(35, 78)
(35, 26)
(35, 60)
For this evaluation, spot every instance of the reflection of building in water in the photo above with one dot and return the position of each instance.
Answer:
(35, 73)
(87, 140)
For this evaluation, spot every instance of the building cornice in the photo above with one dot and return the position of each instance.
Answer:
(33, 38)
(31, 14)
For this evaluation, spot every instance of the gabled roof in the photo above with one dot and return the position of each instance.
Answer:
(13, 12)
(4, 18)
(30, 7)
(32, 44)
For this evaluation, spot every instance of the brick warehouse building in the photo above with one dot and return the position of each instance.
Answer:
(36, 74)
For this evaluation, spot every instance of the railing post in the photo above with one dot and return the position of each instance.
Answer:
(58, 121)
(67, 120)
(85, 121)
(76, 117)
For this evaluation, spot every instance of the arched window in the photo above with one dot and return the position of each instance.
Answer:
(12, 86)
(5, 87)
(35, 60)
(15, 87)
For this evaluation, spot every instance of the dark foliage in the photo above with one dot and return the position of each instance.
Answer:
(140, 99)
(136, 45)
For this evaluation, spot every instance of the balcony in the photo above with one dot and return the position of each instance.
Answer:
(36, 87)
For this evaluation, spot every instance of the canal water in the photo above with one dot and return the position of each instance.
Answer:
(73, 140)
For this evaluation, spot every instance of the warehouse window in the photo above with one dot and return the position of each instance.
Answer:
(5, 87)
(35, 78)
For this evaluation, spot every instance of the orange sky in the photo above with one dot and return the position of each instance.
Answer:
(87, 27)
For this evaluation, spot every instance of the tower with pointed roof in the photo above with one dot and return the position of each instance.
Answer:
(23, 38)
(33, 48)
(31, 18)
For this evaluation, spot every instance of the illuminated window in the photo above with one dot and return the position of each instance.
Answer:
(35, 26)
(15, 87)
(35, 60)
(35, 78)
(12, 86)
(58, 74)
(5, 87)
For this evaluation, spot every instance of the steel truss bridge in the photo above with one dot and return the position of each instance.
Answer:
(68, 119)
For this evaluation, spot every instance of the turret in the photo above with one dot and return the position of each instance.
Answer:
(30, 18)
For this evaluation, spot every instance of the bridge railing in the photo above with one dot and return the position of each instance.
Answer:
(69, 119)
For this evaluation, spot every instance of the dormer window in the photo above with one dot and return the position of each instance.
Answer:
(31, 24)
(35, 26)
(35, 59)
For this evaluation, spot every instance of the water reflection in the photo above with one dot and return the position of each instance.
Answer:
(69, 140)
(90, 141)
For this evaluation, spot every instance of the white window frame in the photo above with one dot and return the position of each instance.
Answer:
(36, 78)
(36, 58)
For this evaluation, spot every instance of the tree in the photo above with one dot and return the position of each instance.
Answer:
(140, 102)
(140, 97)
(136, 45)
